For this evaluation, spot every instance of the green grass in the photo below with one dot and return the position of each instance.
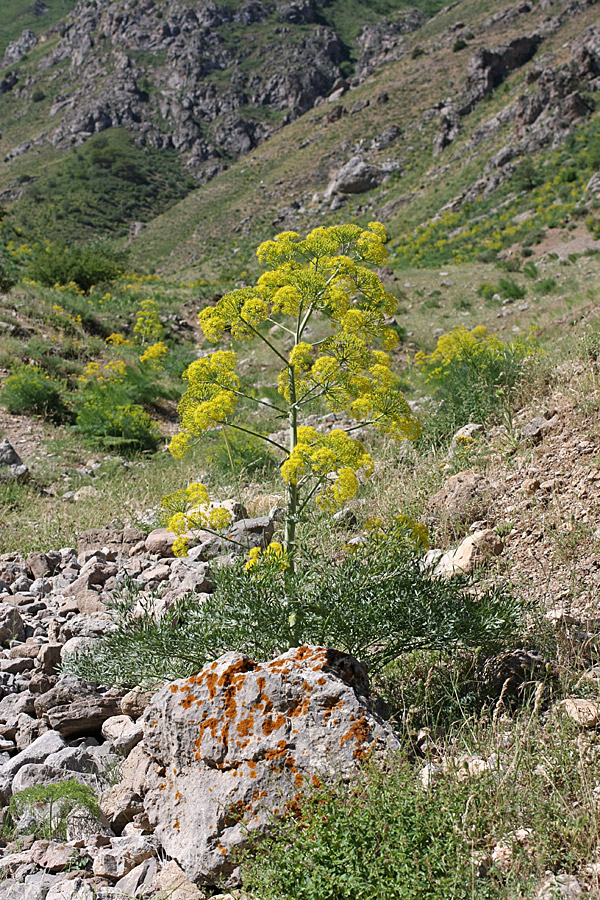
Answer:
(101, 188)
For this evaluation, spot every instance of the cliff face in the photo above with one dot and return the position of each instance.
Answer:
(209, 79)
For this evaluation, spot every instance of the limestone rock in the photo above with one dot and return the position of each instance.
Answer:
(461, 500)
(160, 541)
(583, 712)
(135, 702)
(474, 550)
(172, 882)
(355, 177)
(240, 740)
(12, 626)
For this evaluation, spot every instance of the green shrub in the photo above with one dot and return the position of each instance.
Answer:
(241, 453)
(28, 389)
(474, 376)
(9, 274)
(43, 810)
(487, 290)
(376, 603)
(459, 44)
(530, 270)
(85, 266)
(38, 95)
(124, 427)
(547, 285)
(417, 52)
(510, 289)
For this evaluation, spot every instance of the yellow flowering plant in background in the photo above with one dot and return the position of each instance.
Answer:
(327, 274)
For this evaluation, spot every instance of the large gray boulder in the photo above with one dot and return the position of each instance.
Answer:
(242, 740)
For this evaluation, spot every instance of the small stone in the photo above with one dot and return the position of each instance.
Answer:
(582, 712)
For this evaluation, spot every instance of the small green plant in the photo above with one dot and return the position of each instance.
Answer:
(510, 289)
(547, 285)
(28, 389)
(459, 44)
(43, 810)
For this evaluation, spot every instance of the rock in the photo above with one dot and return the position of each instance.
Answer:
(49, 658)
(139, 880)
(123, 732)
(34, 774)
(355, 177)
(461, 501)
(582, 712)
(40, 565)
(160, 541)
(35, 753)
(559, 887)
(52, 856)
(123, 855)
(476, 549)
(535, 429)
(119, 806)
(74, 707)
(12, 627)
(118, 541)
(241, 739)
(16, 50)
(135, 702)
(171, 882)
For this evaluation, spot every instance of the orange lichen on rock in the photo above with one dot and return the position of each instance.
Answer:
(273, 724)
(358, 731)
(279, 753)
(246, 725)
(188, 701)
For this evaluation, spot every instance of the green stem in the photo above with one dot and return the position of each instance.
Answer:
(262, 437)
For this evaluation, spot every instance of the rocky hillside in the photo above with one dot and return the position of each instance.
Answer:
(210, 81)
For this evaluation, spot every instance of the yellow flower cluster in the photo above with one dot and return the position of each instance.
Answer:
(210, 398)
(63, 319)
(333, 460)
(190, 510)
(155, 355)
(459, 344)
(274, 557)
(101, 373)
(317, 273)
(148, 326)
(117, 340)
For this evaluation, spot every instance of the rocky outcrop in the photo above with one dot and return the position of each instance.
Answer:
(16, 50)
(174, 77)
(384, 42)
(241, 740)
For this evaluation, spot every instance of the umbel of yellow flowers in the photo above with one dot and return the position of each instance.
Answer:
(327, 275)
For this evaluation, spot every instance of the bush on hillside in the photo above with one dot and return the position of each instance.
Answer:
(119, 426)
(377, 603)
(28, 389)
(86, 266)
(474, 376)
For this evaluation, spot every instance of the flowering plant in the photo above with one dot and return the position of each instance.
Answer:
(324, 275)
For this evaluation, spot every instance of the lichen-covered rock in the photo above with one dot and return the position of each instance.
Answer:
(242, 740)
